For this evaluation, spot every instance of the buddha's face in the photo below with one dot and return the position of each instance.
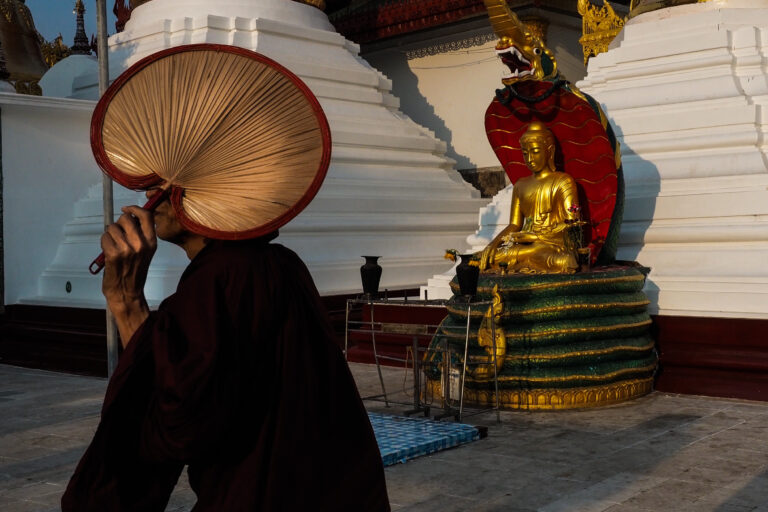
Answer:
(536, 154)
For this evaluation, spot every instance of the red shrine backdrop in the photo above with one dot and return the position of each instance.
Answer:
(583, 149)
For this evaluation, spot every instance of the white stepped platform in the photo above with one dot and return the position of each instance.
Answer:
(390, 190)
(686, 88)
(493, 218)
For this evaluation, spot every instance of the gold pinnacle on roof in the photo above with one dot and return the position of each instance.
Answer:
(54, 51)
(320, 4)
(600, 25)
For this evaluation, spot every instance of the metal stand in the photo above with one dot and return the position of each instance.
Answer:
(373, 328)
(447, 410)
(418, 406)
(376, 356)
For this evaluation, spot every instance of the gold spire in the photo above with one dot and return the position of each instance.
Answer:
(600, 25)
(54, 51)
(320, 4)
(81, 46)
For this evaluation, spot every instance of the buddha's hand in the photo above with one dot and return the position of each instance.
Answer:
(523, 237)
(507, 239)
(488, 254)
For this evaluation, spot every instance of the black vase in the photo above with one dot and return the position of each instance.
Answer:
(467, 276)
(371, 275)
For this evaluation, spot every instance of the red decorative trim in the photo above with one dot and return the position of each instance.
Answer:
(145, 182)
(401, 17)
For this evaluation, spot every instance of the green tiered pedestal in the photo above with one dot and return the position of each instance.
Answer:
(563, 341)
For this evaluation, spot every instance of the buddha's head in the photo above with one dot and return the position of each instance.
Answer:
(538, 146)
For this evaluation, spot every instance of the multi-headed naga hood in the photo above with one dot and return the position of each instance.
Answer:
(586, 146)
(525, 54)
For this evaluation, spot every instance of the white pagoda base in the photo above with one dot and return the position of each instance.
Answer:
(686, 89)
(390, 190)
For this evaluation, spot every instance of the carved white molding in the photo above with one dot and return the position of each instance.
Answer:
(451, 46)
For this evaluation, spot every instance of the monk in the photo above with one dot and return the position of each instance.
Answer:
(236, 376)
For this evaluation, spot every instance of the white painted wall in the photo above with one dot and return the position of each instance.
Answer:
(449, 92)
(47, 164)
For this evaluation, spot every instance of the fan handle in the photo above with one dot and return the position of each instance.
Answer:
(98, 264)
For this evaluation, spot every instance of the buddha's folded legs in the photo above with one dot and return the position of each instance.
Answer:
(536, 257)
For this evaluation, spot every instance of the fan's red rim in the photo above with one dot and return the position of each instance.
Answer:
(176, 196)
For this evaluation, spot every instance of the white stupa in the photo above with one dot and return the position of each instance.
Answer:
(390, 190)
(686, 89)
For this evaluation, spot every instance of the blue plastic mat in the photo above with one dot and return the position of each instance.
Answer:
(401, 438)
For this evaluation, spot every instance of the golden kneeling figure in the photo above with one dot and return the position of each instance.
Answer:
(545, 207)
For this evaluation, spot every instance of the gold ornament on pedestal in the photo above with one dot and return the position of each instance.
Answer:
(600, 25)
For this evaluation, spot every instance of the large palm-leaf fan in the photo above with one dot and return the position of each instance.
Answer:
(239, 142)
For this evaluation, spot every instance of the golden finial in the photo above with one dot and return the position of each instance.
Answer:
(600, 25)
(54, 51)
(320, 4)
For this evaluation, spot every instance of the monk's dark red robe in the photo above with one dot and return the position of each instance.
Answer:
(238, 376)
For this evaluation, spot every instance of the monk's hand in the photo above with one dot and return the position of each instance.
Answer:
(128, 246)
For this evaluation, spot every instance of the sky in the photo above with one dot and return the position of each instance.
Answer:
(55, 16)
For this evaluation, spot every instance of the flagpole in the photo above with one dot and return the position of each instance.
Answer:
(103, 55)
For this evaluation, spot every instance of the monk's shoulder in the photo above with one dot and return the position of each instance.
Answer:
(236, 260)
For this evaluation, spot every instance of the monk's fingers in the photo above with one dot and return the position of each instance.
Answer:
(146, 220)
(133, 233)
(117, 245)
(108, 244)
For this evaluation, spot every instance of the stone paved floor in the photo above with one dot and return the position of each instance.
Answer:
(658, 453)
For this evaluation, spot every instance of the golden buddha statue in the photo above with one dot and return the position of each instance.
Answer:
(545, 207)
